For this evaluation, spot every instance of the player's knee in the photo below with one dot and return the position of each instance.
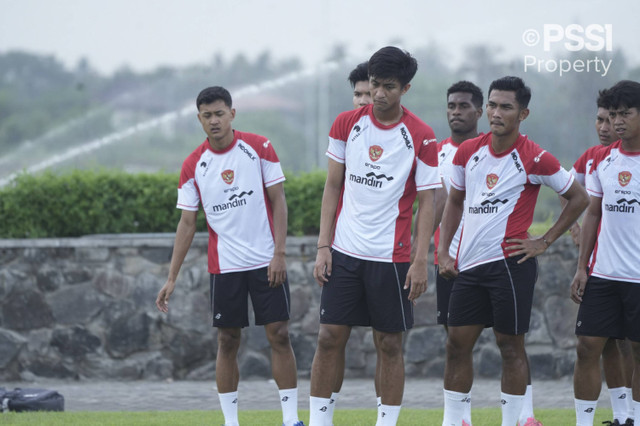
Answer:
(389, 344)
(278, 336)
(511, 347)
(228, 340)
(588, 349)
(330, 339)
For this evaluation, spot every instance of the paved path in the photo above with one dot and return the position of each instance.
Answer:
(262, 394)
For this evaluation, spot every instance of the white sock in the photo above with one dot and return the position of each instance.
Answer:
(630, 410)
(455, 406)
(619, 398)
(289, 404)
(635, 414)
(585, 412)
(511, 407)
(332, 405)
(379, 404)
(527, 406)
(378, 401)
(467, 410)
(389, 415)
(318, 411)
(229, 405)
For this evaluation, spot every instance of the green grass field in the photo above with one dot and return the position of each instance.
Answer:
(480, 417)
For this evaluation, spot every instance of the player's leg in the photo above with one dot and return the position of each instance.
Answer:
(614, 377)
(626, 354)
(230, 313)
(631, 308)
(337, 387)
(271, 308)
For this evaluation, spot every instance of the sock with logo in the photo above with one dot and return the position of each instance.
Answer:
(378, 405)
(455, 405)
(229, 405)
(619, 398)
(388, 415)
(467, 411)
(527, 406)
(511, 408)
(585, 412)
(289, 404)
(318, 411)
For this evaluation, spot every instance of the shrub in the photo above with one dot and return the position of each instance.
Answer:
(111, 202)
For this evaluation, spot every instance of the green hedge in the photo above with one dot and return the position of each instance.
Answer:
(111, 202)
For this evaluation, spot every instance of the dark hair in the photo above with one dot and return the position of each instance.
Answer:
(212, 94)
(513, 84)
(625, 93)
(467, 87)
(603, 99)
(391, 62)
(359, 73)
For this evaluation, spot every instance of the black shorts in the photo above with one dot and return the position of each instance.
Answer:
(229, 299)
(363, 292)
(498, 293)
(443, 293)
(610, 309)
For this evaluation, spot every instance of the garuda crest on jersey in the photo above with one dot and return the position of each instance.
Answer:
(375, 152)
(227, 176)
(492, 180)
(624, 178)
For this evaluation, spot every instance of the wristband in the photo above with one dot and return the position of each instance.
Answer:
(544, 240)
(321, 247)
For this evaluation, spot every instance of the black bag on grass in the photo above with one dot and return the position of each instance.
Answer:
(30, 400)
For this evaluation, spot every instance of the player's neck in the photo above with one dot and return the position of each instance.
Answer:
(631, 145)
(458, 138)
(388, 117)
(221, 144)
(503, 143)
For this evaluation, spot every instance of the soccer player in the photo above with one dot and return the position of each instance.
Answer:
(380, 156)
(237, 178)
(617, 362)
(495, 181)
(607, 279)
(359, 79)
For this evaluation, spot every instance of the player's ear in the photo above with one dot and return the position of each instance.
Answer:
(524, 113)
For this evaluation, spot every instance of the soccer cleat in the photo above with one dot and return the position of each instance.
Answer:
(629, 422)
(531, 421)
(465, 423)
(615, 422)
(299, 423)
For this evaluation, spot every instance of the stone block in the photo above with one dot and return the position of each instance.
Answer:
(561, 314)
(75, 342)
(112, 283)
(26, 309)
(92, 254)
(128, 334)
(10, 345)
(488, 362)
(425, 311)
(425, 343)
(254, 364)
(76, 305)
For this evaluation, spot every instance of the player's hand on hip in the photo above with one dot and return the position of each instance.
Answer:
(322, 268)
(277, 270)
(578, 285)
(529, 248)
(416, 280)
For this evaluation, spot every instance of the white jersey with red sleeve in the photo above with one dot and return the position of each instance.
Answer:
(615, 178)
(384, 167)
(583, 164)
(501, 192)
(446, 151)
(231, 186)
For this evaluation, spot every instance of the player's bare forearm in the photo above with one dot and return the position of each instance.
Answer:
(451, 218)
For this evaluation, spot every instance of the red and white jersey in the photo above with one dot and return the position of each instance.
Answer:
(384, 167)
(446, 151)
(231, 185)
(501, 192)
(615, 177)
(583, 164)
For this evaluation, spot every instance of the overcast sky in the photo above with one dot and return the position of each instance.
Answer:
(145, 34)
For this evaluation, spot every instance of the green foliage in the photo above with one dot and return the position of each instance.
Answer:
(111, 202)
(304, 198)
(481, 417)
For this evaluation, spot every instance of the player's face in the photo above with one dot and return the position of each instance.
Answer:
(361, 95)
(386, 93)
(462, 115)
(626, 123)
(604, 127)
(216, 119)
(504, 112)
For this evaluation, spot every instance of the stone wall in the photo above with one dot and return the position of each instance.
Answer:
(85, 308)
